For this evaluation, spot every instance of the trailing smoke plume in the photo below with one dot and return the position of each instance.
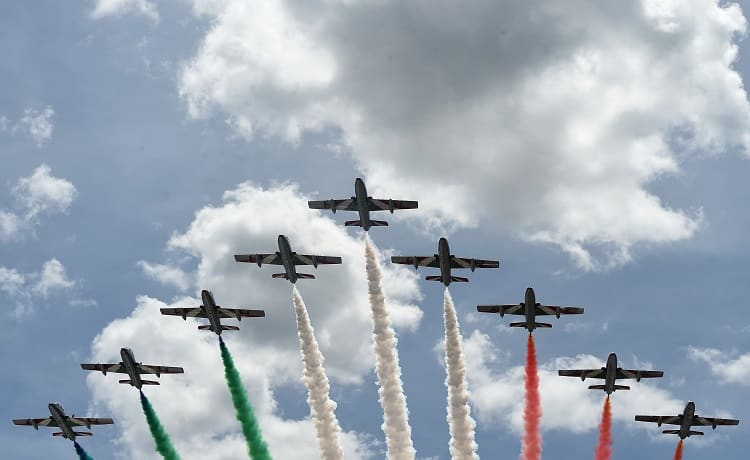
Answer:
(462, 445)
(316, 381)
(256, 446)
(163, 443)
(604, 448)
(82, 454)
(392, 398)
(678, 451)
(532, 412)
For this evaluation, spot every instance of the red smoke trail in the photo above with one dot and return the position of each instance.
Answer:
(604, 448)
(678, 452)
(532, 413)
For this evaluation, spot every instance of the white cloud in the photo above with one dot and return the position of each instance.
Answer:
(52, 278)
(728, 366)
(567, 403)
(38, 123)
(27, 289)
(41, 192)
(166, 274)
(266, 350)
(546, 121)
(105, 8)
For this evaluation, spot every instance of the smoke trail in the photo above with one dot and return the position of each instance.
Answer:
(604, 448)
(678, 451)
(532, 413)
(82, 454)
(163, 444)
(392, 398)
(462, 445)
(256, 446)
(321, 406)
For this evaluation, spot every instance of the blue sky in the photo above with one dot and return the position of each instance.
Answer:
(599, 152)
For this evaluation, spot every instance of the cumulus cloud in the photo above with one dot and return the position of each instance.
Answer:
(266, 349)
(567, 404)
(166, 274)
(52, 278)
(546, 121)
(730, 367)
(104, 8)
(38, 123)
(25, 290)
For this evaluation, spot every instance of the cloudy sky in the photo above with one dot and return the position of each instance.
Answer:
(600, 151)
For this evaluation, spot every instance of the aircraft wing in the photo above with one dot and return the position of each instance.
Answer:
(260, 259)
(198, 312)
(660, 419)
(555, 310)
(118, 368)
(514, 309)
(35, 422)
(310, 259)
(584, 373)
(158, 370)
(638, 374)
(417, 261)
(240, 313)
(87, 422)
(461, 262)
(377, 204)
(347, 204)
(713, 422)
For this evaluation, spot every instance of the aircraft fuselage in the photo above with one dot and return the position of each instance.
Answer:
(131, 367)
(610, 376)
(444, 255)
(530, 309)
(58, 415)
(211, 314)
(287, 258)
(687, 420)
(360, 195)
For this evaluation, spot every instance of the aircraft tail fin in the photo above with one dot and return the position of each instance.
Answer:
(622, 387)
(459, 279)
(547, 325)
(126, 382)
(205, 327)
(596, 387)
(378, 223)
(305, 276)
(149, 382)
(353, 223)
(224, 327)
(434, 278)
(521, 324)
(280, 275)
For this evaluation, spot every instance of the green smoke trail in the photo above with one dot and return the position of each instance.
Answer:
(82, 454)
(256, 446)
(163, 444)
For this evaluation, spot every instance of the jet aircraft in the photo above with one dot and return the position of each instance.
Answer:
(214, 313)
(531, 309)
(363, 204)
(610, 374)
(289, 259)
(686, 420)
(129, 366)
(445, 261)
(67, 424)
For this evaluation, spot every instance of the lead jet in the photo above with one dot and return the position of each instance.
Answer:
(214, 313)
(363, 204)
(67, 424)
(686, 420)
(129, 366)
(289, 259)
(445, 261)
(531, 309)
(610, 374)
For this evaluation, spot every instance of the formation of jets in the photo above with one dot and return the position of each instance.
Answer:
(442, 260)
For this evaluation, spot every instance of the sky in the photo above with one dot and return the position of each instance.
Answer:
(599, 151)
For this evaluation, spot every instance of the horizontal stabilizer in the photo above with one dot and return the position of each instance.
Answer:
(280, 275)
(434, 278)
(149, 382)
(378, 223)
(126, 382)
(224, 327)
(305, 276)
(547, 325)
(459, 279)
(523, 324)
(699, 433)
(671, 431)
(353, 223)
(77, 433)
(622, 387)
(596, 387)
(205, 327)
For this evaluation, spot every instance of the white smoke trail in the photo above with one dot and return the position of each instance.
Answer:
(321, 406)
(392, 398)
(462, 445)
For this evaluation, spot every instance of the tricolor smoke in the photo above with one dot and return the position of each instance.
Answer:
(256, 446)
(604, 448)
(161, 439)
(316, 381)
(532, 412)
(82, 454)
(678, 451)
(392, 399)
(462, 445)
